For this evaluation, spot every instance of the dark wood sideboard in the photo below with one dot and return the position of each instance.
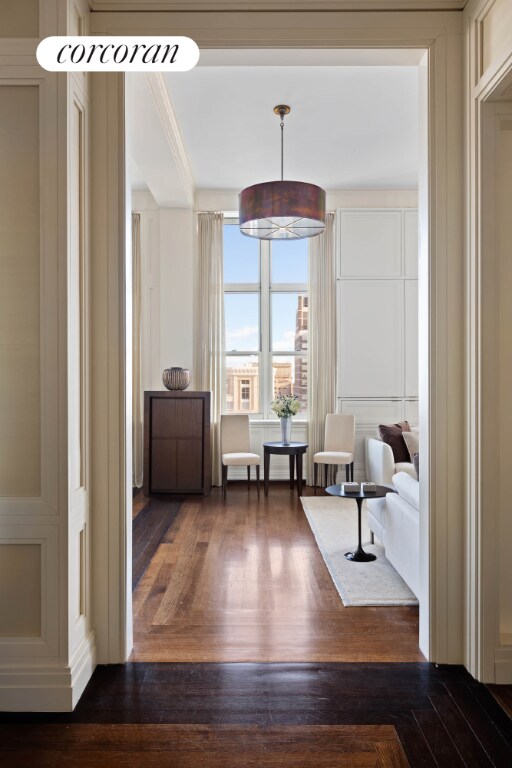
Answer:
(177, 453)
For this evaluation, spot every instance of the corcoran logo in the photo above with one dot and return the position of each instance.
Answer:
(117, 54)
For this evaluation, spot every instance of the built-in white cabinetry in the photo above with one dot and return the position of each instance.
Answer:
(372, 243)
(370, 321)
(377, 319)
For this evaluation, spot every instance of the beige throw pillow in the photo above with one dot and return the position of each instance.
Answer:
(412, 441)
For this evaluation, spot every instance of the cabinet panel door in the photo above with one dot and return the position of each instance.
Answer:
(370, 244)
(163, 465)
(411, 243)
(182, 417)
(189, 464)
(411, 338)
(371, 343)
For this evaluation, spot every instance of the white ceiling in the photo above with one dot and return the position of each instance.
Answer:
(353, 124)
(349, 127)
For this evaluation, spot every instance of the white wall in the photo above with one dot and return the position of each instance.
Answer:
(177, 288)
(144, 204)
(167, 264)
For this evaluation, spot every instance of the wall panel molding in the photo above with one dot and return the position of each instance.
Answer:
(49, 671)
(14, 649)
(45, 687)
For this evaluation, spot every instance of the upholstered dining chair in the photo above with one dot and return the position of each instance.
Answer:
(339, 439)
(236, 448)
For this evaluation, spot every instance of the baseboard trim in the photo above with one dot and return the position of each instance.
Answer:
(41, 688)
(82, 667)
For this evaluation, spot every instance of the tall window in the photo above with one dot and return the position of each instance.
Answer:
(266, 311)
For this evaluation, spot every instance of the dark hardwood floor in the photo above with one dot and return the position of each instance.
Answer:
(243, 580)
(326, 686)
(308, 715)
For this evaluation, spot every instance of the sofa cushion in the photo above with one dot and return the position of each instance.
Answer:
(392, 435)
(412, 441)
(406, 466)
(377, 516)
(407, 488)
(401, 539)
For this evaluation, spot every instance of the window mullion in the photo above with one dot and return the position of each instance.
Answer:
(266, 362)
(289, 288)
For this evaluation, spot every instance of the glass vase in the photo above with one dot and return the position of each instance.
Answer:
(286, 429)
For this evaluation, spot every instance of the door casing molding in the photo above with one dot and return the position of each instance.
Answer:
(441, 268)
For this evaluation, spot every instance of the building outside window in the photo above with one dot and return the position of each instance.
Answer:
(245, 394)
(266, 316)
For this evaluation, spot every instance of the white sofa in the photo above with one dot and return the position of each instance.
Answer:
(380, 462)
(395, 520)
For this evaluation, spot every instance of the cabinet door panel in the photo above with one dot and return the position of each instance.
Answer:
(411, 243)
(370, 343)
(163, 465)
(182, 417)
(189, 464)
(370, 244)
(411, 338)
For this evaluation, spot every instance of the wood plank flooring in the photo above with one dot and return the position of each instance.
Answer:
(151, 521)
(324, 715)
(243, 580)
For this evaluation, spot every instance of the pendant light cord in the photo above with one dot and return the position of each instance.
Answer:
(282, 148)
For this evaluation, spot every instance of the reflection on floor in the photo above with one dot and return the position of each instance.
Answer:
(243, 580)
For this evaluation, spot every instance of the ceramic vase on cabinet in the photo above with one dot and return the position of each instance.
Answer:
(176, 378)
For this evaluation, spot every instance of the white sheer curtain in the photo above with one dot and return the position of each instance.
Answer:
(209, 374)
(137, 394)
(321, 338)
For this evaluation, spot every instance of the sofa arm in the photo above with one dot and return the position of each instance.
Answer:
(380, 462)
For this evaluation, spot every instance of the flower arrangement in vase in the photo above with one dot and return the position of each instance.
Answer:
(286, 406)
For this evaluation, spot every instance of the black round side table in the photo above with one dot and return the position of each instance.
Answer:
(295, 451)
(359, 556)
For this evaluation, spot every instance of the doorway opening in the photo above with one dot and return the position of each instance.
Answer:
(244, 579)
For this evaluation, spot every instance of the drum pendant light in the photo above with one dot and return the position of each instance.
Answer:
(277, 210)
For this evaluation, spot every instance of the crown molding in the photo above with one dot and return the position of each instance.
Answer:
(278, 5)
(167, 115)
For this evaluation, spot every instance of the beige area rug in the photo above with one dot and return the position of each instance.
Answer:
(334, 524)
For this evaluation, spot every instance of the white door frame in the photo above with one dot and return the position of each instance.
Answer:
(488, 76)
(441, 278)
